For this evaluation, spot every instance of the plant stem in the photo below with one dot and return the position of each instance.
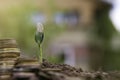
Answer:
(40, 54)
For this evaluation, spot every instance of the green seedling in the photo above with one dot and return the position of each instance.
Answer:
(39, 39)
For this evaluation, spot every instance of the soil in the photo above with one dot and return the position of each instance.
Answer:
(62, 68)
(52, 71)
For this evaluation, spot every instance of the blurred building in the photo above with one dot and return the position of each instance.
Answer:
(76, 43)
(82, 8)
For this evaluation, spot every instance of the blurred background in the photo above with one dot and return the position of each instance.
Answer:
(81, 33)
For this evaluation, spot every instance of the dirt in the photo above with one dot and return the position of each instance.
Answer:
(52, 71)
(62, 68)
(61, 71)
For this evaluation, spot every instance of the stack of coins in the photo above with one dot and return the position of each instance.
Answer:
(23, 74)
(5, 74)
(27, 63)
(9, 53)
(26, 69)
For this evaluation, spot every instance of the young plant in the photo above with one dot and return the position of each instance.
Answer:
(39, 39)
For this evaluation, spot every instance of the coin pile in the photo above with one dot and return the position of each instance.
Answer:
(27, 63)
(26, 69)
(5, 74)
(9, 53)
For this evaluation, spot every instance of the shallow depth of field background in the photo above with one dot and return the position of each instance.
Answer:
(18, 19)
